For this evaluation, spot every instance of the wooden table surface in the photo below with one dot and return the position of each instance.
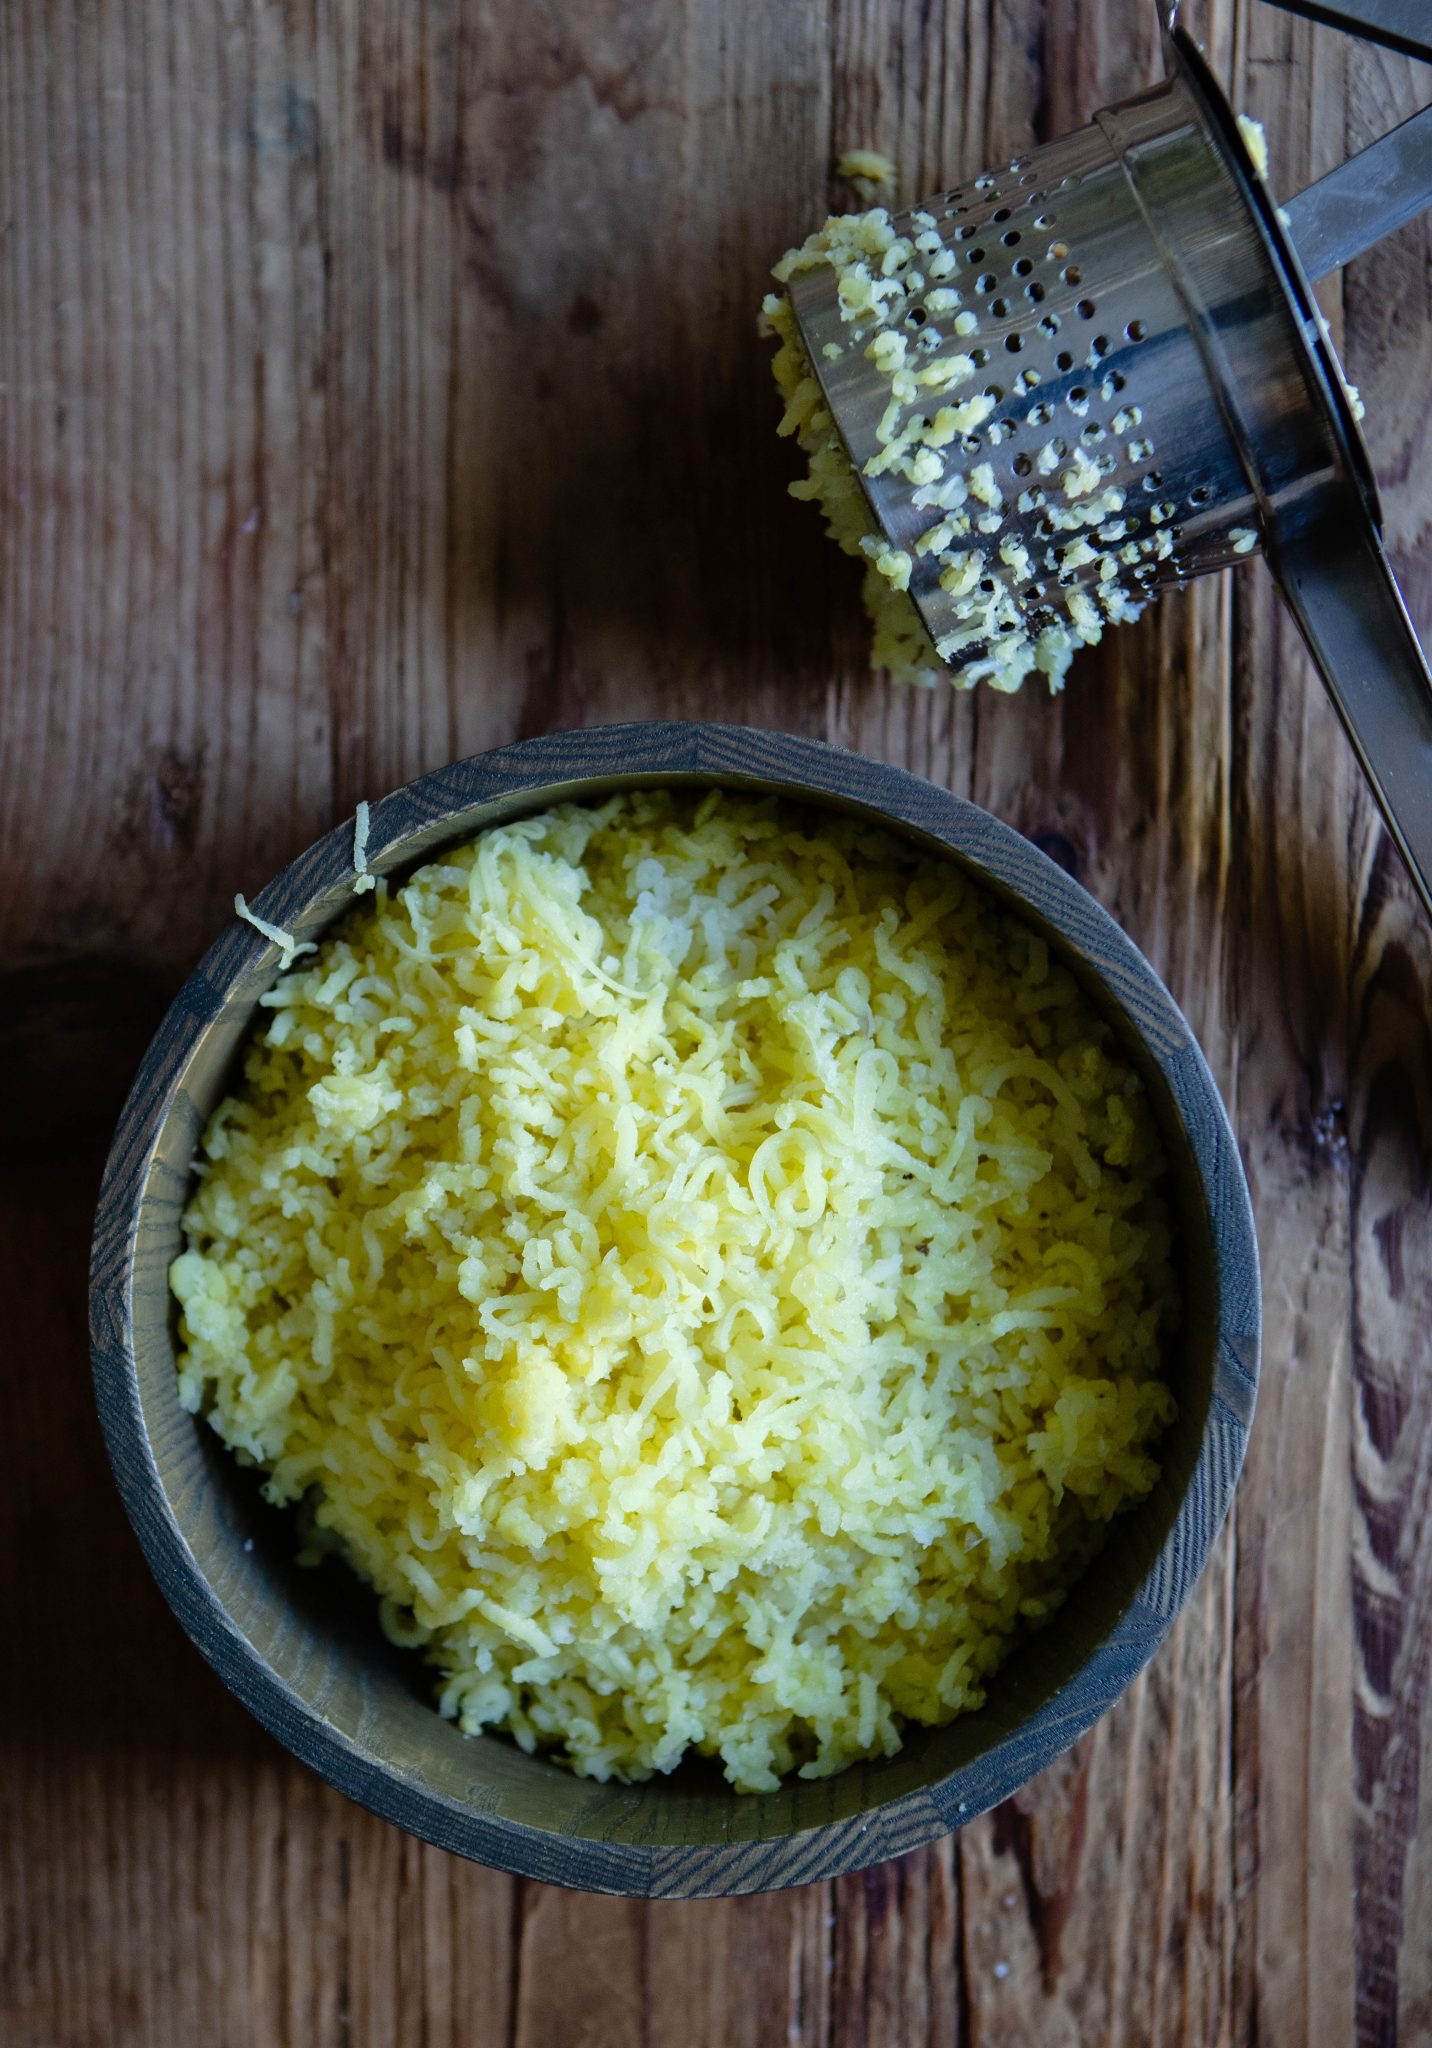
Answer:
(380, 382)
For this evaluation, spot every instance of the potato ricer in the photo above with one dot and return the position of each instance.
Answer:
(1142, 307)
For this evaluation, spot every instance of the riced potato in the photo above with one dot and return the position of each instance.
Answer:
(704, 1264)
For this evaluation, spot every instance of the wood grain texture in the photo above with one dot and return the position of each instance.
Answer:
(379, 384)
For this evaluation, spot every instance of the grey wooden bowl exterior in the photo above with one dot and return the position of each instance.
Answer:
(312, 1665)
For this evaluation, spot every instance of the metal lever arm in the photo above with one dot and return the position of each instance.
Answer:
(1402, 25)
(1341, 590)
(1379, 189)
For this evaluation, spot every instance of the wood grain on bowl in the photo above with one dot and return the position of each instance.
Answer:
(320, 1677)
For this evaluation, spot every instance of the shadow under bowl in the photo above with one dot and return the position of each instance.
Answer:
(302, 1649)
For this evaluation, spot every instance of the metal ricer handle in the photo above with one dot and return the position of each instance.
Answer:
(1372, 194)
(1397, 24)
(1341, 589)
(1342, 592)
(1390, 181)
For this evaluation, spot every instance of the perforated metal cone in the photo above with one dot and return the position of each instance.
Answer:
(1049, 274)
(1141, 340)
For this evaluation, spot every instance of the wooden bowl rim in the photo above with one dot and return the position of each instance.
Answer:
(451, 804)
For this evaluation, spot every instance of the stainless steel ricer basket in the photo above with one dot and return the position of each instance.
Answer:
(1141, 306)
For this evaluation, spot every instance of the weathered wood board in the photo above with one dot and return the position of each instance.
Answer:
(379, 383)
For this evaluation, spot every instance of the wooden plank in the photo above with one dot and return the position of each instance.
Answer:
(379, 383)
(1299, 812)
(1388, 307)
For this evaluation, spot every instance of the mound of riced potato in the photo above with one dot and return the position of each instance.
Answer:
(704, 1264)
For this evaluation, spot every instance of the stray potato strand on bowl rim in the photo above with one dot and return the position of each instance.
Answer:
(704, 1264)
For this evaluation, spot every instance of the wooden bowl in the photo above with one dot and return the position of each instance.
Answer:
(302, 1649)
